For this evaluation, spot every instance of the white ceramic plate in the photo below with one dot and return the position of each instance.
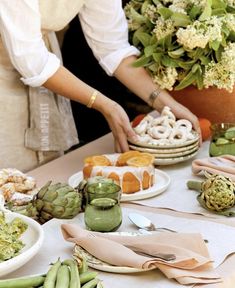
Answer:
(176, 154)
(164, 151)
(162, 181)
(170, 161)
(95, 263)
(33, 239)
(148, 145)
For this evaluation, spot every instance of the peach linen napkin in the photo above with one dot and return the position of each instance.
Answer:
(224, 165)
(192, 264)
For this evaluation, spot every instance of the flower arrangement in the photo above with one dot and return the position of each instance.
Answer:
(185, 42)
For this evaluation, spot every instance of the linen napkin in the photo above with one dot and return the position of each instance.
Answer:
(192, 264)
(224, 165)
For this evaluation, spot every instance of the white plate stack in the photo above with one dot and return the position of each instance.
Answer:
(168, 154)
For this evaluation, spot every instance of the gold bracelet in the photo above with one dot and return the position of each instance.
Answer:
(153, 96)
(92, 99)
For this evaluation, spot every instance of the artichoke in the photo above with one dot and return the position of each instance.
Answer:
(216, 194)
(52, 201)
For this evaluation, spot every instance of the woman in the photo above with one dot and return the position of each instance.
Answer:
(36, 124)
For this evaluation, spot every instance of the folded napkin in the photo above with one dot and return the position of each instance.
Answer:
(224, 165)
(192, 264)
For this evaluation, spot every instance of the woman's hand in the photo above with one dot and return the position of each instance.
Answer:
(180, 111)
(120, 125)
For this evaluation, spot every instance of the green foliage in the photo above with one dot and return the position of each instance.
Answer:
(188, 37)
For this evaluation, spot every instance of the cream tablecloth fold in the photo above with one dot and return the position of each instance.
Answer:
(224, 165)
(192, 263)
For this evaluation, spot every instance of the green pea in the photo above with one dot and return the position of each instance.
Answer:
(51, 275)
(92, 283)
(87, 276)
(74, 274)
(63, 277)
(22, 282)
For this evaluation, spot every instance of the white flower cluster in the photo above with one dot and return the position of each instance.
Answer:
(222, 74)
(231, 2)
(151, 13)
(179, 6)
(229, 21)
(163, 28)
(200, 34)
(166, 78)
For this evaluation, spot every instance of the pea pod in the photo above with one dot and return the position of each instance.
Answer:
(51, 275)
(63, 277)
(87, 276)
(92, 283)
(22, 282)
(74, 274)
(84, 266)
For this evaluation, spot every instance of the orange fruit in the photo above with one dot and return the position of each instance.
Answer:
(205, 125)
(138, 161)
(122, 159)
(137, 119)
(97, 160)
(148, 156)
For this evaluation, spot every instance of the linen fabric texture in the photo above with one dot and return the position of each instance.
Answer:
(192, 264)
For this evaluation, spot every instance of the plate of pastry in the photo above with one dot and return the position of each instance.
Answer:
(161, 183)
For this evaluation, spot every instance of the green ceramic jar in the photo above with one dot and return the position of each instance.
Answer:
(103, 212)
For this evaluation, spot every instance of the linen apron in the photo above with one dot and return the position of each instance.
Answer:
(35, 124)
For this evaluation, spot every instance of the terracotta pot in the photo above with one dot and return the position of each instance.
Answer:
(217, 105)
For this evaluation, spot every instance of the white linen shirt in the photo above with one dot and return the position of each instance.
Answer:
(103, 22)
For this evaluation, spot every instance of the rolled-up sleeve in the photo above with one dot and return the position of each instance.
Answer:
(20, 30)
(106, 31)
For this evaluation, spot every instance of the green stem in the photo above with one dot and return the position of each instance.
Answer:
(194, 185)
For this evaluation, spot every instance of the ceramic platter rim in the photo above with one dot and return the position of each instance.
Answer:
(162, 150)
(97, 264)
(170, 161)
(173, 155)
(162, 182)
(147, 145)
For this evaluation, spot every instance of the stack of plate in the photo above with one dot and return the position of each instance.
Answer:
(168, 154)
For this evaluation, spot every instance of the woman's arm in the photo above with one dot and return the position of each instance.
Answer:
(65, 83)
(140, 83)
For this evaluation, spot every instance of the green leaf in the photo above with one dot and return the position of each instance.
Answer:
(180, 19)
(187, 65)
(168, 62)
(137, 17)
(144, 38)
(207, 11)
(199, 81)
(153, 67)
(176, 53)
(204, 60)
(196, 67)
(218, 53)
(218, 4)
(142, 61)
(135, 40)
(149, 50)
(187, 81)
(157, 57)
(214, 44)
(217, 12)
(165, 12)
(194, 12)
